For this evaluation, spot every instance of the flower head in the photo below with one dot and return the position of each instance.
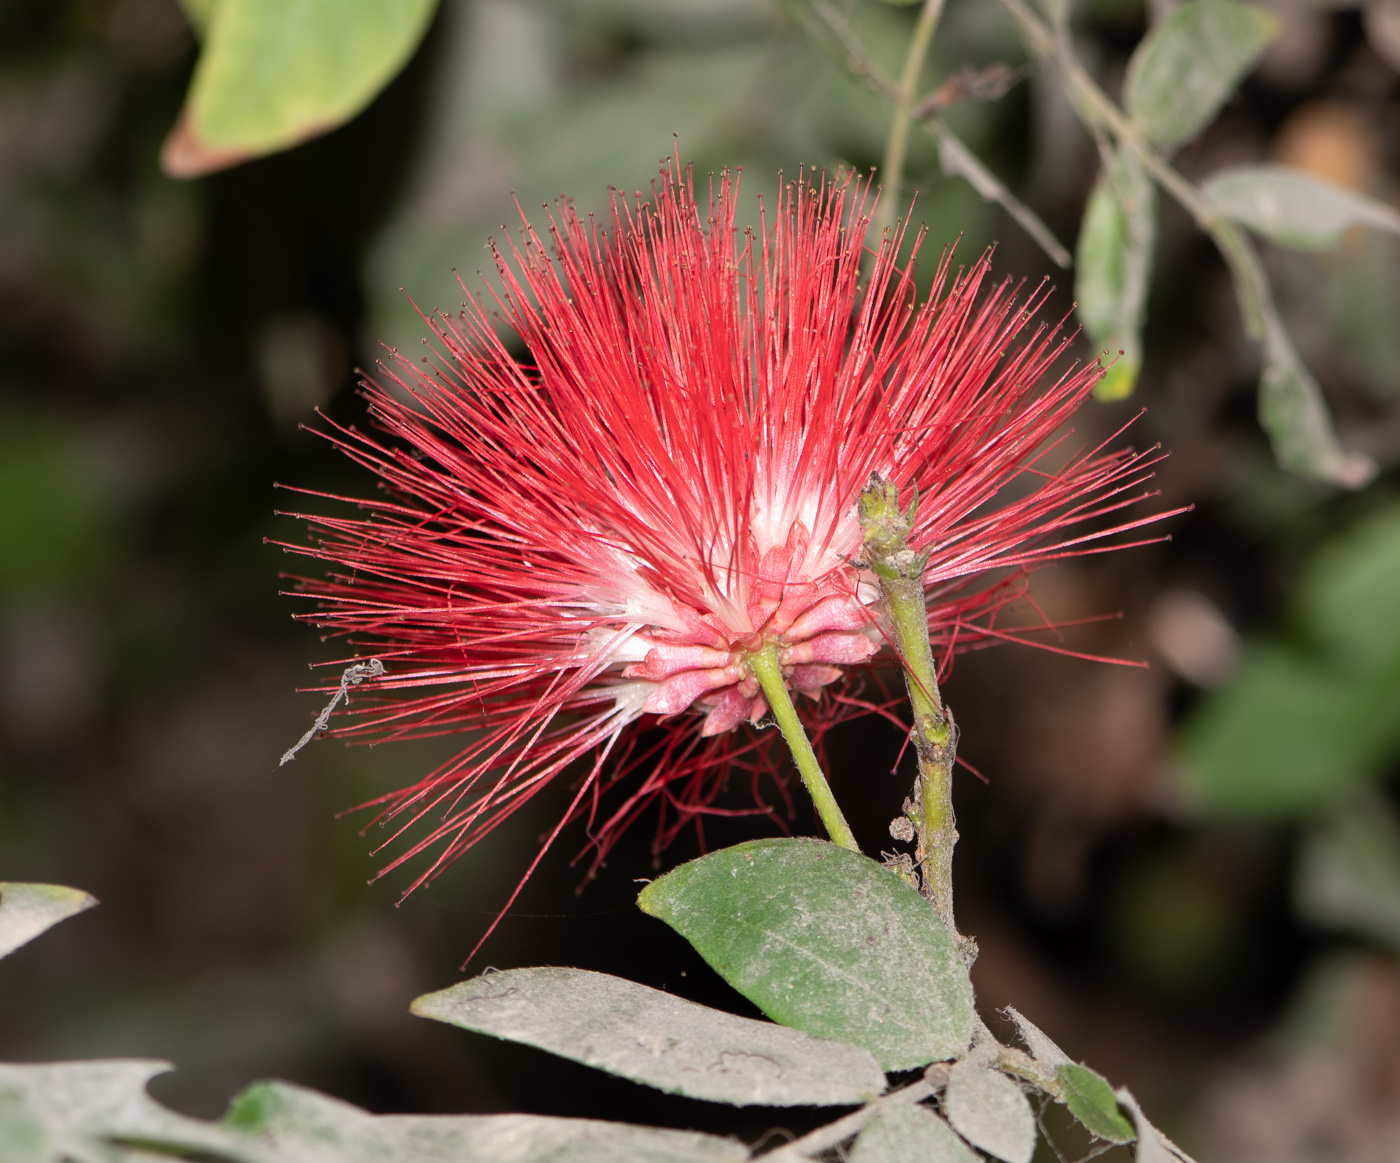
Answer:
(607, 527)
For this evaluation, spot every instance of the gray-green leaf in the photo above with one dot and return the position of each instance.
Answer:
(73, 1110)
(1186, 68)
(1090, 1099)
(909, 1134)
(26, 910)
(956, 159)
(1042, 1049)
(90, 1112)
(991, 1112)
(1349, 873)
(1113, 266)
(657, 1039)
(1293, 413)
(275, 72)
(1294, 208)
(289, 1124)
(1152, 1145)
(827, 941)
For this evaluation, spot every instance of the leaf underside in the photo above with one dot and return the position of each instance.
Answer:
(654, 1038)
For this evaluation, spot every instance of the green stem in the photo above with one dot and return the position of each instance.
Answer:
(905, 97)
(900, 572)
(769, 672)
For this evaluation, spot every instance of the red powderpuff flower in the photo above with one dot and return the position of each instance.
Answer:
(604, 529)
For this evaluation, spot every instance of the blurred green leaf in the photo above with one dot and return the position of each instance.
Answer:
(541, 144)
(827, 941)
(53, 512)
(658, 1040)
(990, 1111)
(1090, 1099)
(199, 13)
(1186, 68)
(1174, 921)
(26, 910)
(1349, 873)
(1113, 267)
(273, 73)
(1350, 594)
(909, 1134)
(1287, 736)
(1294, 208)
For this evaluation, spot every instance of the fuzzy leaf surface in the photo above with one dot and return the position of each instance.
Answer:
(654, 1038)
(26, 910)
(1042, 1049)
(1090, 1099)
(290, 1124)
(78, 1110)
(1113, 267)
(1293, 208)
(909, 1134)
(827, 941)
(1186, 68)
(991, 1112)
(99, 1112)
(275, 72)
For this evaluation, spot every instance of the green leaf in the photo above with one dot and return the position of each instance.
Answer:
(1291, 207)
(657, 1039)
(991, 1112)
(290, 1124)
(1090, 1099)
(1349, 873)
(1287, 736)
(1293, 413)
(909, 1134)
(26, 910)
(1186, 68)
(827, 941)
(1113, 267)
(276, 72)
(1350, 594)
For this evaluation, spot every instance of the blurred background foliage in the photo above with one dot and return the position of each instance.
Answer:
(1187, 875)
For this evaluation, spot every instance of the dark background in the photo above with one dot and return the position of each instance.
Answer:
(160, 342)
